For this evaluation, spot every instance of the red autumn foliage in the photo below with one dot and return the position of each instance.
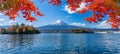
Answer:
(82, 11)
(100, 9)
(55, 2)
(11, 8)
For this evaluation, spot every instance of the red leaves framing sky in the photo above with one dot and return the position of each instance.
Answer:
(11, 8)
(100, 9)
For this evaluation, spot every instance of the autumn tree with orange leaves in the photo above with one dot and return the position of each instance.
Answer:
(11, 8)
(99, 9)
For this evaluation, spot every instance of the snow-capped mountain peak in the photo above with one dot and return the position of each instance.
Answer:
(59, 22)
(58, 25)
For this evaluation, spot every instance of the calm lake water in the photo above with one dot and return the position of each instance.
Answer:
(60, 43)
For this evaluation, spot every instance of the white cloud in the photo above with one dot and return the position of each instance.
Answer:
(69, 10)
(4, 22)
(1, 13)
(1, 19)
(82, 6)
(78, 24)
(104, 24)
(12, 22)
(29, 23)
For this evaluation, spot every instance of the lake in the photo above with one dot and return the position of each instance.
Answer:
(60, 43)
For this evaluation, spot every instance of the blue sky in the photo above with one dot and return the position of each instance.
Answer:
(54, 13)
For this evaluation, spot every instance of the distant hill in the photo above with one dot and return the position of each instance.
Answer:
(58, 25)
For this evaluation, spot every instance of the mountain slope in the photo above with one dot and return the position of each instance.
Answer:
(59, 22)
(58, 25)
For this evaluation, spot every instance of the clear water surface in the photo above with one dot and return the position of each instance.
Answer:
(60, 43)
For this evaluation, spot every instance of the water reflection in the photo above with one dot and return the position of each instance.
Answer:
(15, 43)
(57, 43)
(19, 40)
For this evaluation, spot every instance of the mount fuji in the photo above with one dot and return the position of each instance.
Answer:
(59, 22)
(57, 26)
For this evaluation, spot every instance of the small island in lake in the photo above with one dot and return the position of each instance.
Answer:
(81, 30)
(19, 29)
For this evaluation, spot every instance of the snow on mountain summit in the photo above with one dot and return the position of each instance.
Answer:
(59, 22)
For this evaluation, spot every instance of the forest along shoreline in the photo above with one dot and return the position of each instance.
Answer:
(78, 30)
(27, 29)
(19, 29)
